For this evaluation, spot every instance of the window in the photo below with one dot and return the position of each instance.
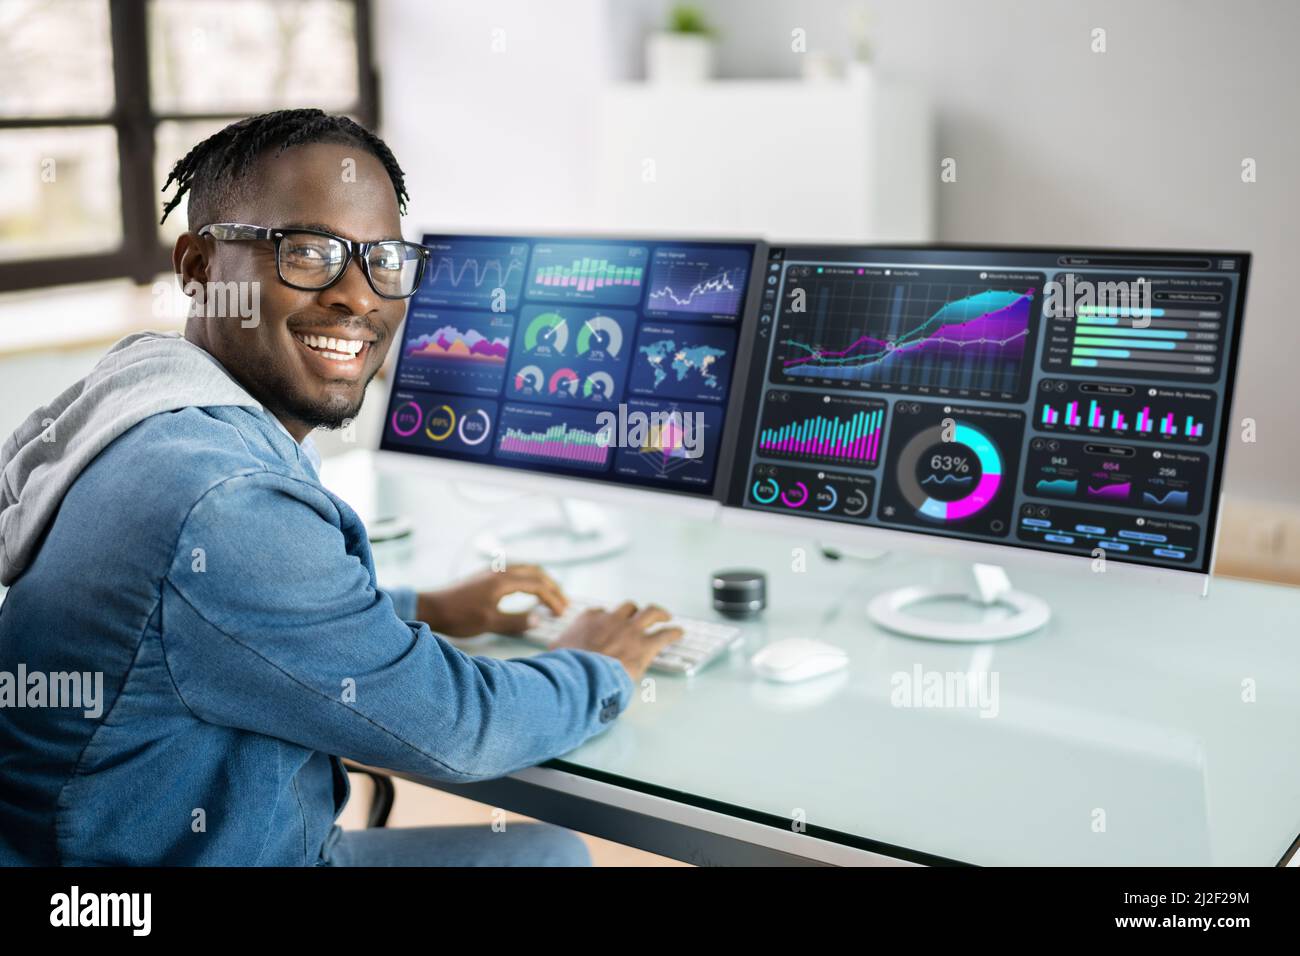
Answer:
(102, 96)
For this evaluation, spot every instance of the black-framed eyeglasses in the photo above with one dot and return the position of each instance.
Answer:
(312, 260)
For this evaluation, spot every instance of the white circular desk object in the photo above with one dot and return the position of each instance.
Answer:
(890, 611)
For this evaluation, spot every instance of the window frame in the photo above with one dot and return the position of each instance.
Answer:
(141, 255)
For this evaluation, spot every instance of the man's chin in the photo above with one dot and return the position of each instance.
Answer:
(331, 411)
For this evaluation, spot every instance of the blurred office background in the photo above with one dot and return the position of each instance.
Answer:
(1089, 123)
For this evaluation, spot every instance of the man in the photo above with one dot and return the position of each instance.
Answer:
(163, 531)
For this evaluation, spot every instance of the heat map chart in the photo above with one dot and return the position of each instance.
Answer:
(473, 274)
(456, 351)
(941, 334)
(701, 283)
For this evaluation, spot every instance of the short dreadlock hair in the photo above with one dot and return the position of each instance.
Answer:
(211, 172)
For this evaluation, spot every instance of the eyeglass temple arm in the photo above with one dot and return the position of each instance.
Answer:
(235, 230)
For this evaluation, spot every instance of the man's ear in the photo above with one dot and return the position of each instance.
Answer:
(190, 259)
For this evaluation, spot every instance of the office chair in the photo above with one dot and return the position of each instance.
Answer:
(381, 805)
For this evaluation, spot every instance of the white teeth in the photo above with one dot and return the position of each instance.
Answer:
(340, 350)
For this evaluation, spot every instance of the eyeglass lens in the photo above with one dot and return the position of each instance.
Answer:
(313, 262)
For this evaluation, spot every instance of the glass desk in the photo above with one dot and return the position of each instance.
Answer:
(1138, 727)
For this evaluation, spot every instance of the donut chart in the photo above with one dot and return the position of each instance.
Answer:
(442, 422)
(960, 478)
(954, 467)
(783, 488)
(453, 423)
(407, 419)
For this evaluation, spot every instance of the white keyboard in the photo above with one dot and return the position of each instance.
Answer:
(701, 641)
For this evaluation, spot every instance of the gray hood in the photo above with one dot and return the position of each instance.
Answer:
(142, 375)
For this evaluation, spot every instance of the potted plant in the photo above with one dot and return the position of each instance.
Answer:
(683, 51)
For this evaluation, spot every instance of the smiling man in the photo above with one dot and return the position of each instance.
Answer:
(162, 523)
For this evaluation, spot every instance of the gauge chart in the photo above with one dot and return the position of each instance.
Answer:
(570, 355)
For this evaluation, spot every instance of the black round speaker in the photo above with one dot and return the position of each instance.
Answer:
(739, 592)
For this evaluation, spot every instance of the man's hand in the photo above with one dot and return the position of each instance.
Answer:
(469, 607)
(621, 633)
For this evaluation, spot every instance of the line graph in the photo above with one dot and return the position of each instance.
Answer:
(706, 283)
(941, 333)
(474, 273)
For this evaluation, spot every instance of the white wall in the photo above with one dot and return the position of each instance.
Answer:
(492, 137)
(1141, 145)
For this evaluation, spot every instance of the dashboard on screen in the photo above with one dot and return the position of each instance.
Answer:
(1059, 400)
(605, 359)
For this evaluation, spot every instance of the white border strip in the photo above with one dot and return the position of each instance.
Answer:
(720, 824)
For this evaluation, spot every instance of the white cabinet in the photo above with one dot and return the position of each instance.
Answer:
(784, 160)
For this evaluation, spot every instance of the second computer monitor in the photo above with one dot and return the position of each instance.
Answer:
(581, 357)
(1059, 400)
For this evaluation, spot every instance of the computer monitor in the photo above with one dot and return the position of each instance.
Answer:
(586, 365)
(995, 400)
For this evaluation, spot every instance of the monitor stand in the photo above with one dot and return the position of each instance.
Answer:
(581, 531)
(1007, 613)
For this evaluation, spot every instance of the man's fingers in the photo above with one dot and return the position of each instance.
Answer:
(625, 610)
(650, 615)
(531, 579)
(503, 623)
(666, 635)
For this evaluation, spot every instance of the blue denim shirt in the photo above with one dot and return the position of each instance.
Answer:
(230, 602)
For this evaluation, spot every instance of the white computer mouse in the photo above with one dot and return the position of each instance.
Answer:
(797, 659)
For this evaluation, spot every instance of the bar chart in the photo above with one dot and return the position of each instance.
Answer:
(1157, 413)
(1160, 339)
(610, 274)
(806, 426)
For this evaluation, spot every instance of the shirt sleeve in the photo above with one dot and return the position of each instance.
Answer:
(270, 624)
